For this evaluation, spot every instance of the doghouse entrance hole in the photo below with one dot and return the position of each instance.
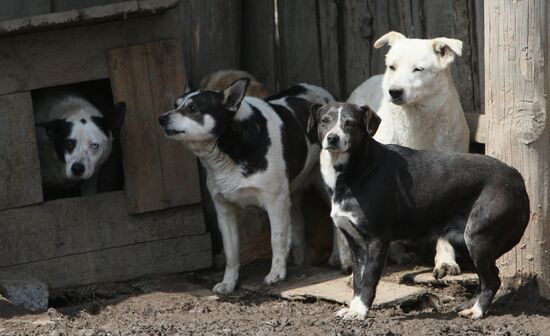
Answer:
(110, 176)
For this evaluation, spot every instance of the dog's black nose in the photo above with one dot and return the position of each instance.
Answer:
(78, 169)
(396, 93)
(333, 139)
(163, 120)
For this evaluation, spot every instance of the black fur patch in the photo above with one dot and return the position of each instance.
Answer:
(246, 142)
(294, 141)
(294, 90)
(58, 131)
(83, 121)
(100, 123)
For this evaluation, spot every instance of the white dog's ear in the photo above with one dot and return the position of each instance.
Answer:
(388, 39)
(234, 94)
(446, 49)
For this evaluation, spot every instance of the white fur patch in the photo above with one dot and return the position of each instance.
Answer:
(357, 310)
(474, 313)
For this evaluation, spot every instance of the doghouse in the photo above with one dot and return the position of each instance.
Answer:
(155, 224)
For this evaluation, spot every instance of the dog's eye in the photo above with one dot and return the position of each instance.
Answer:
(94, 145)
(69, 144)
(325, 121)
(418, 69)
(349, 123)
(192, 109)
(392, 68)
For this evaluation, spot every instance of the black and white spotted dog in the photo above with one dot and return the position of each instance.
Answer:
(382, 193)
(74, 139)
(256, 153)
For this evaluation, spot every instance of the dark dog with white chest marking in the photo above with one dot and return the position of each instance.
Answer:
(256, 153)
(382, 193)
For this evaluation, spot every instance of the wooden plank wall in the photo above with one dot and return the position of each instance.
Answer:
(159, 173)
(329, 42)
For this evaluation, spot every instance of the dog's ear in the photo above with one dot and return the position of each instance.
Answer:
(234, 94)
(115, 119)
(388, 39)
(371, 120)
(312, 120)
(446, 49)
(52, 127)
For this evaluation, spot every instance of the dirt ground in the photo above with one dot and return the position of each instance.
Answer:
(183, 305)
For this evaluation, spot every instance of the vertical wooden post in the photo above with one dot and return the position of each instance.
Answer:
(516, 78)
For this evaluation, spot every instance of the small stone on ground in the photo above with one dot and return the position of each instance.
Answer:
(23, 290)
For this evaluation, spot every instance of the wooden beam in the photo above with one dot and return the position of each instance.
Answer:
(158, 173)
(19, 166)
(78, 17)
(84, 224)
(122, 263)
(516, 103)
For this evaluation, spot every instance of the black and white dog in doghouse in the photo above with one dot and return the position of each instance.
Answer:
(256, 153)
(74, 140)
(382, 193)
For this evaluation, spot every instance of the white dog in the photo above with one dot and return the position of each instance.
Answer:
(419, 106)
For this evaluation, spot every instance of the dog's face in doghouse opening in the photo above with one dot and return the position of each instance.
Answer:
(203, 115)
(83, 140)
(341, 126)
(415, 67)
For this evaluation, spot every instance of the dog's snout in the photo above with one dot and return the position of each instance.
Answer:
(333, 139)
(163, 120)
(396, 93)
(78, 169)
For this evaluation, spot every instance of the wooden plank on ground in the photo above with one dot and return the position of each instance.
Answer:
(322, 284)
(122, 263)
(179, 167)
(20, 179)
(77, 225)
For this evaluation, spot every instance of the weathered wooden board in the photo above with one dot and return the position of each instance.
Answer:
(78, 17)
(157, 174)
(21, 8)
(259, 42)
(299, 50)
(64, 5)
(516, 103)
(122, 263)
(179, 167)
(73, 55)
(130, 80)
(77, 225)
(327, 16)
(211, 35)
(20, 179)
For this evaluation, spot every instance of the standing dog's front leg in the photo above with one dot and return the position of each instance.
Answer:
(278, 211)
(227, 222)
(368, 264)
